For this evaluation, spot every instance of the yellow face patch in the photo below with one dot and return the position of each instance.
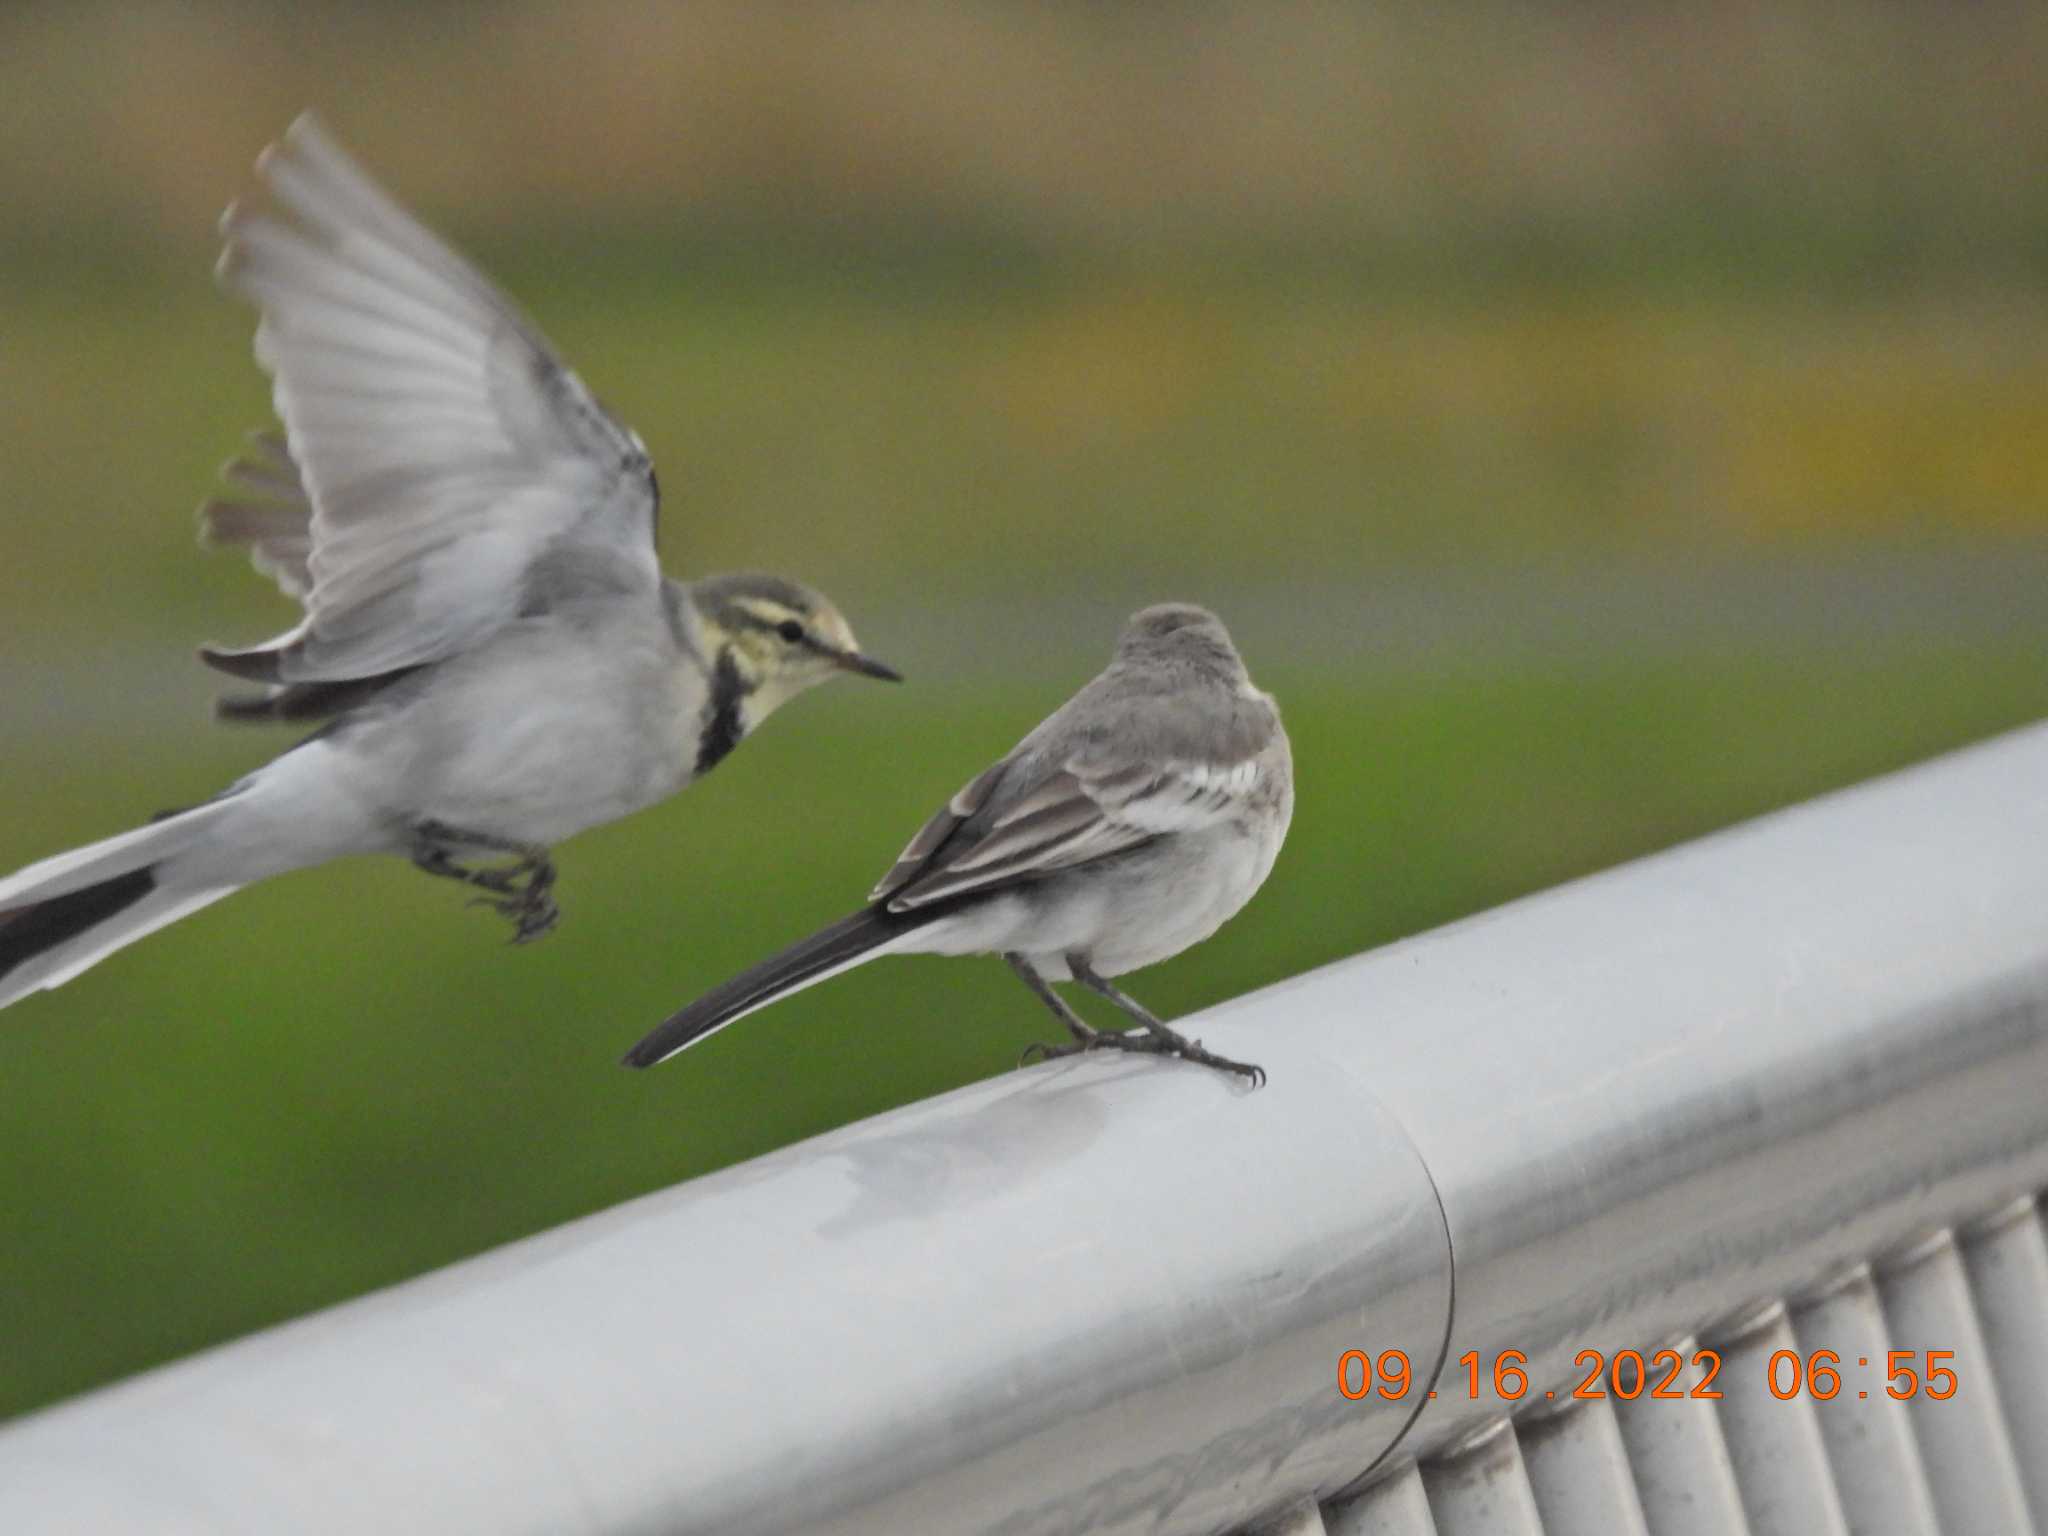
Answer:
(829, 627)
(771, 614)
(775, 665)
(825, 625)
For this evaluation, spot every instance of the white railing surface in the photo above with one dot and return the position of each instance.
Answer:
(1785, 1088)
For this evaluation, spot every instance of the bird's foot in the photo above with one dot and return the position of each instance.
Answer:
(537, 921)
(1153, 1036)
(1085, 1039)
(1150, 1041)
(1195, 1051)
(532, 912)
(1157, 1040)
(527, 900)
(1156, 1037)
(521, 891)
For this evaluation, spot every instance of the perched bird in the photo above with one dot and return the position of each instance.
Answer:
(487, 630)
(1134, 822)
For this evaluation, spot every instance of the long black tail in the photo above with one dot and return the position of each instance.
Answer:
(825, 953)
(71, 910)
(34, 930)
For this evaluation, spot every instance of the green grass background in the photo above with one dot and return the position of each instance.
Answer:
(1582, 478)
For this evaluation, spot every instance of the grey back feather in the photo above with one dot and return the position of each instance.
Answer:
(1166, 740)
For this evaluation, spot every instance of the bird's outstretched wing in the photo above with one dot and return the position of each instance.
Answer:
(270, 514)
(437, 453)
(1019, 822)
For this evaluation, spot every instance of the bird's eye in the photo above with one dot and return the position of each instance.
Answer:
(790, 630)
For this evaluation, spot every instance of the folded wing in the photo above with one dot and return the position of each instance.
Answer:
(435, 449)
(1013, 825)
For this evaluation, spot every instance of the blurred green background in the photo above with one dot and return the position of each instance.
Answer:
(1597, 425)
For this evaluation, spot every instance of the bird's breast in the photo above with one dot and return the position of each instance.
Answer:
(554, 729)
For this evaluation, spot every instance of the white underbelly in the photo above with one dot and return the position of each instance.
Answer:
(1136, 916)
(1178, 910)
(544, 735)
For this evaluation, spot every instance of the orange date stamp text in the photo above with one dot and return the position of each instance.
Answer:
(1663, 1375)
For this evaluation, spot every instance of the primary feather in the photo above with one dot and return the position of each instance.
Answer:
(437, 446)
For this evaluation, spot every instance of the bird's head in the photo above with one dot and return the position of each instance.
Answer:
(1183, 635)
(781, 636)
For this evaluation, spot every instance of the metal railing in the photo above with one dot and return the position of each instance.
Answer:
(1782, 1089)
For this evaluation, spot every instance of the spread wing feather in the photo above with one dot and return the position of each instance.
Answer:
(270, 515)
(435, 446)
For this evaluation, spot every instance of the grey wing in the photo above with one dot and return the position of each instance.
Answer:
(269, 514)
(933, 836)
(434, 440)
(1013, 825)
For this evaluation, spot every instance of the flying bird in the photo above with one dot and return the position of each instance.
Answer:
(487, 633)
(1135, 821)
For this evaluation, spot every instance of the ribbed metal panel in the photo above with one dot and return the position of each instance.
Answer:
(1578, 1470)
(1780, 1459)
(1869, 1433)
(1482, 1489)
(1302, 1518)
(1859, 1462)
(1396, 1505)
(1970, 1464)
(1680, 1461)
(2007, 1260)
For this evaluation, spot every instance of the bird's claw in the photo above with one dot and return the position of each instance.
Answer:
(1173, 1043)
(1144, 1042)
(536, 920)
(1250, 1070)
(1039, 1050)
(1195, 1051)
(519, 891)
(531, 910)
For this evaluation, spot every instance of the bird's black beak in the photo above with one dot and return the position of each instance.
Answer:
(867, 666)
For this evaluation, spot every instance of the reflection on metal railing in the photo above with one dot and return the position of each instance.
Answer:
(1771, 1104)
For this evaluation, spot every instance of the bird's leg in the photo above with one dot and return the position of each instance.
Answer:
(520, 891)
(1085, 1037)
(1156, 1037)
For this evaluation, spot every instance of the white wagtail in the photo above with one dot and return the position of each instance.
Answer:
(1134, 822)
(487, 629)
